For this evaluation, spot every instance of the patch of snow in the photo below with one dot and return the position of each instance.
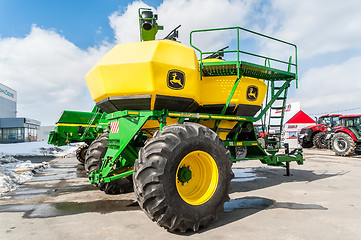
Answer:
(14, 172)
(37, 149)
(244, 175)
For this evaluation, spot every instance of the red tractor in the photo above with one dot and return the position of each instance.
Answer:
(347, 139)
(315, 135)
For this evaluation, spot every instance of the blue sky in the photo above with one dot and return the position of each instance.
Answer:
(47, 47)
(83, 22)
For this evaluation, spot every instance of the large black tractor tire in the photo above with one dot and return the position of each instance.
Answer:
(80, 153)
(319, 140)
(182, 177)
(93, 161)
(343, 144)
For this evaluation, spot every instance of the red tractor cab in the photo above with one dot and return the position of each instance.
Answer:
(315, 135)
(347, 139)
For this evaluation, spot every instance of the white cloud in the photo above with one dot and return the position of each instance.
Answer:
(331, 88)
(190, 14)
(325, 32)
(125, 23)
(317, 27)
(47, 71)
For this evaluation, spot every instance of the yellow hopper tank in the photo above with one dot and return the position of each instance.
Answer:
(164, 74)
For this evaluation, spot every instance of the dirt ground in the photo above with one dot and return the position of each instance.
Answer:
(321, 200)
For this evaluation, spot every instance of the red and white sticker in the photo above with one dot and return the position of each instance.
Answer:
(114, 127)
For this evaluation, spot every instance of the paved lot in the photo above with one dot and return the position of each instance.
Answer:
(322, 200)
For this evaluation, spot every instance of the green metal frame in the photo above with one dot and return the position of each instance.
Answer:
(278, 81)
(239, 52)
(122, 148)
(123, 145)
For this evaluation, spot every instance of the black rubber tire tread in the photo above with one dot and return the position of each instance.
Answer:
(317, 140)
(350, 142)
(79, 153)
(155, 173)
(93, 161)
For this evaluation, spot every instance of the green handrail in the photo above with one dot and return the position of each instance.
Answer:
(238, 51)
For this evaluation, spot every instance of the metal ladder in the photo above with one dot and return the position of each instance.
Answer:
(275, 120)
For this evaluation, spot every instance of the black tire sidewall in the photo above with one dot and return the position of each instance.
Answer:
(317, 140)
(95, 153)
(94, 160)
(169, 180)
(346, 138)
(78, 153)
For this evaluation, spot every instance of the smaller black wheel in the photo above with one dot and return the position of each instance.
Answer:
(319, 140)
(241, 152)
(81, 153)
(343, 144)
(93, 161)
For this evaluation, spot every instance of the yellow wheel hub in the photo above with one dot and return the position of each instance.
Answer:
(197, 177)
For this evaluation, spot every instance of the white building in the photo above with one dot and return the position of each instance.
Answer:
(293, 127)
(13, 129)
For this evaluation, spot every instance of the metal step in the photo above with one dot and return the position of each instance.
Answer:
(277, 108)
(275, 125)
(274, 134)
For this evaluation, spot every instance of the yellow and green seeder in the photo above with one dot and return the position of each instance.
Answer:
(176, 122)
(76, 126)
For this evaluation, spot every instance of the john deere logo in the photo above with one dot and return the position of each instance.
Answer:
(252, 93)
(176, 79)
